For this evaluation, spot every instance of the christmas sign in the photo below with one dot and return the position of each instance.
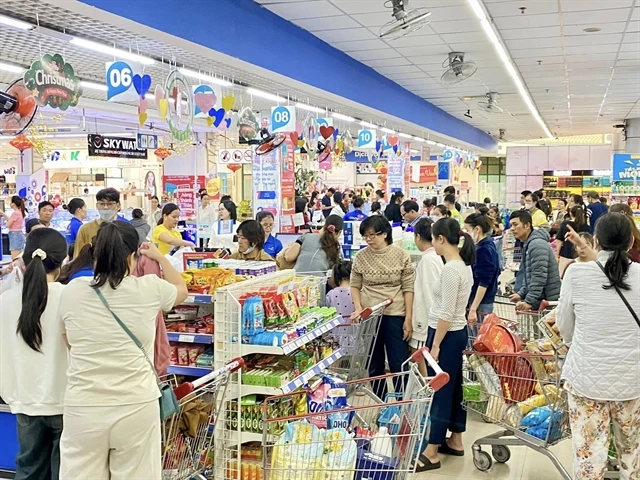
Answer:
(53, 82)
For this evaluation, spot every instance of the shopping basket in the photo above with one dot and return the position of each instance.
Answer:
(338, 444)
(188, 435)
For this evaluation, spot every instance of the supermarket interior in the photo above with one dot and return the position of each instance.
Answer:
(292, 138)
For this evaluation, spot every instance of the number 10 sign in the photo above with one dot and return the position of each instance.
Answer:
(367, 139)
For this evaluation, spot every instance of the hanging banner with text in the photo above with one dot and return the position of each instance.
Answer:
(120, 147)
(288, 183)
(395, 173)
(266, 184)
(184, 188)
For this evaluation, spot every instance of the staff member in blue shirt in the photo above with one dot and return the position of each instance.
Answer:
(272, 245)
(357, 215)
(78, 208)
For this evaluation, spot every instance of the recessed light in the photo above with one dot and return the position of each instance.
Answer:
(592, 30)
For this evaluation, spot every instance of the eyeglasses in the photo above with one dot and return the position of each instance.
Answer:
(267, 225)
(106, 204)
(371, 236)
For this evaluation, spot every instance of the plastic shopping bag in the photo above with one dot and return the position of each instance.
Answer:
(12, 279)
(299, 449)
(176, 260)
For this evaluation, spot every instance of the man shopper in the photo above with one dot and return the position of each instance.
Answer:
(450, 203)
(108, 205)
(451, 190)
(523, 196)
(595, 208)
(45, 214)
(327, 202)
(410, 212)
(538, 268)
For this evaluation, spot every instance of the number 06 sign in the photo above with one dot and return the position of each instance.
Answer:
(120, 81)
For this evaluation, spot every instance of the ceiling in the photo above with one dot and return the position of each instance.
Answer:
(582, 83)
(23, 47)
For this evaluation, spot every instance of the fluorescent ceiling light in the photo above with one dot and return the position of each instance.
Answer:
(431, 142)
(11, 68)
(267, 95)
(19, 24)
(94, 86)
(340, 116)
(309, 108)
(489, 30)
(419, 139)
(387, 130)
(405, 135)
(116, 52)
(207, 78)
(441, 145)
(368, 125)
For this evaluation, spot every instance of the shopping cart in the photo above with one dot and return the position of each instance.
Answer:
(188, 435)
(296, 446)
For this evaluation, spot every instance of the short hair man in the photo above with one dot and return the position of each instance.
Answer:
(450, 203)
(410, 212)
(327, 202)
(108, 205)
(595, 208)
(357, 215)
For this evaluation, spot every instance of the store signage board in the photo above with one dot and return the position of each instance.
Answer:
(227, 156)
(147, 141)
(444, 171)
(395, 173)
(70, 159)
(367, 139)
(447, 155)
(119, 80)
(283, 119)
(626, 166)
(118, 147)
(53, 82)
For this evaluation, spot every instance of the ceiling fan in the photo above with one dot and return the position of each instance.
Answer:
(458, 70)
(405, 20)
(490, 104)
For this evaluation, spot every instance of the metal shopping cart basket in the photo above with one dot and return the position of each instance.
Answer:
(297, 446)
(188, 435)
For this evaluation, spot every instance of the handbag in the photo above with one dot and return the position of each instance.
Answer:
(633, 313)
(168, 401)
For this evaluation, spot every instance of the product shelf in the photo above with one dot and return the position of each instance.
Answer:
(198, 299)
(201, 338)
(244, 437)
(189, 371)
(290, 347)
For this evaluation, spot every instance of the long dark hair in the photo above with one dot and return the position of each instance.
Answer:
(168, 209)
(449, 228)
(577, 212)
(625, 209)
(82, 261)
(50, 244)
(423, 228)
(231, 208)
(115, 243)
(482, 220)
(615, 235)
(328, 241)
(337, 198)
(18, 202)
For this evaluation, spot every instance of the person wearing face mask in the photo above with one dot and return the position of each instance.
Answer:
(538, 216)
(440, 211)
(108, 205)
(251, 243)
(486, 267)
(166, 236)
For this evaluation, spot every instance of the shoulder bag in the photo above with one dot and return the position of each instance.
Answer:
(633, 313)
(168, 400)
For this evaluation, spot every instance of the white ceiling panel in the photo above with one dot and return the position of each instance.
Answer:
(345, 35)
(525, 44)
(326, 23)
(526, 21)
(351, 7)
(388, 62)
(540, 32)
(511, 9)
(587, 39)
(297, 10)
(592, 5)
(373, 44)
(591, 17)
(376, 19)
(457, 26)
(374, 54)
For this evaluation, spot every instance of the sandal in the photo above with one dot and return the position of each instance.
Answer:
(447, 450)
(426, 464)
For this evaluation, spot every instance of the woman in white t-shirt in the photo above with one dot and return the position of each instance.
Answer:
(33, 356)
(227, 212)
(111, 412)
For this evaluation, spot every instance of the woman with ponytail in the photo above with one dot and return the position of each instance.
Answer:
(33, 356)
(317, 252)
(111, 412)
(15, 225)
(447, 338)
(598, 315)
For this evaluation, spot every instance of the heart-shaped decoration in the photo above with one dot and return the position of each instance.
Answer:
(209, 121)
(142, 117)
(142, 105)
(378, 145)
(205, 101)
(336, 132)
(218, 116)
(228, 101)
(226, 124)
(395, 149)
(326, 132)
(142, 84)
(163, 107)
(393, 140)
(294, 137)
(301, 143)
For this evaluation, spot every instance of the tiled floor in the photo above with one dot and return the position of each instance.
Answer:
(525, 463)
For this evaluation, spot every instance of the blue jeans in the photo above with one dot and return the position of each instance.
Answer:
(389, 338)
(39, 455)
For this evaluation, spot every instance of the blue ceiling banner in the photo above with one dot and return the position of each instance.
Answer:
(350, 79)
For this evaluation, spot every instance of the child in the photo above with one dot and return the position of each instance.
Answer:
(588, 238)
(340, 297)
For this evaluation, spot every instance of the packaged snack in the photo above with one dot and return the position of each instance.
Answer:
(330, 395)
(174, 355)
(183, 356)
(193, 353)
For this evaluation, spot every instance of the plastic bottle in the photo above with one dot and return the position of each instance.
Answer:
(381, 443)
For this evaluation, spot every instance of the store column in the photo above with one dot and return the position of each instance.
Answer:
(633, 135)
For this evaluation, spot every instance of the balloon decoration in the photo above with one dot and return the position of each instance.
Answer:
(21, 142)
(234, 167)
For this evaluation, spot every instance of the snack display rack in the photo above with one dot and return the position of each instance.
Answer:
(228, 344)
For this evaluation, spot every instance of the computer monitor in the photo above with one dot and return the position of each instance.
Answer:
(287, 238)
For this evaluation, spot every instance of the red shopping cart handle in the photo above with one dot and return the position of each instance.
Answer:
(186, 388)
(441, 378)
(367, 312)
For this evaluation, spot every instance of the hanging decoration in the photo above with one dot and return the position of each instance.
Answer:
(162, 103)
(180, 117)
(347, 141)
(19, 109)
(234, 167)
(162, 153)
(310, 133)
(228, 102)
(247, 126)
(53, 82)
(21, 143)
(269, 141)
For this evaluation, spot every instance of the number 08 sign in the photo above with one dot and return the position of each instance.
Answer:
(283, 119)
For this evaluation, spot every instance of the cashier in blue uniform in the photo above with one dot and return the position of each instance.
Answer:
(272, 245)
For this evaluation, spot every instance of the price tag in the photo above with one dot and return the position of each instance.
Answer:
(283, 119)
(120, 81)
(186, 338)
(367, 139)
(191, 299)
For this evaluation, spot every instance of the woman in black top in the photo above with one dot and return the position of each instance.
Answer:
(565, 251)
(392, 212)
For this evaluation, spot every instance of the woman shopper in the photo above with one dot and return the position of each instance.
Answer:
(338, 205)
(602, 368)
(538, 216)
(140, 224)
(111, 412)
(392, 211)
(251, 243)
(565, 251)
(440, 211)
(166, 235)
(381, 271)
(223, 232)
(634, 251)
(155, 213)
(447, 338)
(15, 226)
(317, 252)
(376, 209)
(33, 356)
(486, 267)
(379, 197)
